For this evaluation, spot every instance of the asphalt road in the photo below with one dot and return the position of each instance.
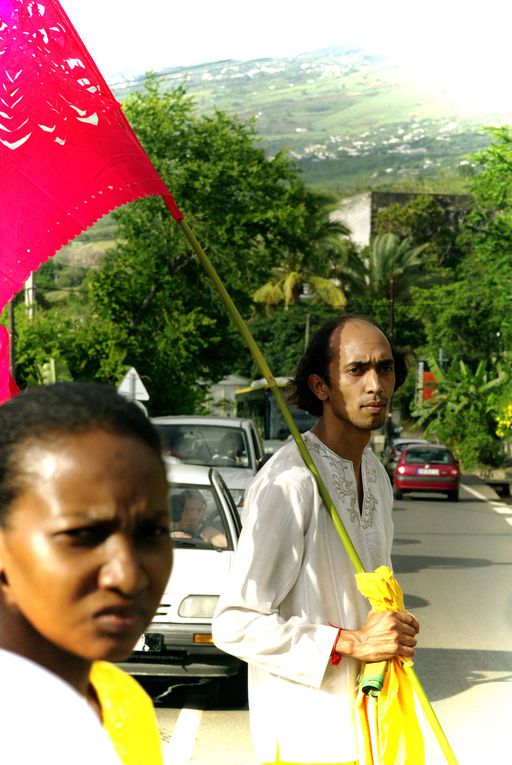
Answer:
(454, 563)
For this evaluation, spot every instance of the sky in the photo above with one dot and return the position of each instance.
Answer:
(463, 45)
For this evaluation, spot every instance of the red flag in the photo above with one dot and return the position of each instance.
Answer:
(8, 387)
(67, 153)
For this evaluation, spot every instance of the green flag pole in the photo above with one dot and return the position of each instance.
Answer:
(306, 456)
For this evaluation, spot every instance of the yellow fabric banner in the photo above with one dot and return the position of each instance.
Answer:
(128, 715)
(389, 730)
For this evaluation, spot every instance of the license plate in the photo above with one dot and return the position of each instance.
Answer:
(150, 641)
(428, 471)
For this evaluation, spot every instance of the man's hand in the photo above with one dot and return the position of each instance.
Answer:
(385, 635)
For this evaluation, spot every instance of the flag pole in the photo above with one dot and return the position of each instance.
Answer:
(283, 407)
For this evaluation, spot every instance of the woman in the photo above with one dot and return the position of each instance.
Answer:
(85, 551)
(189, 509)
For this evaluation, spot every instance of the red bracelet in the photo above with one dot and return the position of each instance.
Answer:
(336, 657)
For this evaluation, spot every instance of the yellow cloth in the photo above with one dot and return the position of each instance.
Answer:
(128, 715)
(389, 730)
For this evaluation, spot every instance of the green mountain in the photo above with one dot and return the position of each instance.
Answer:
(353, 122)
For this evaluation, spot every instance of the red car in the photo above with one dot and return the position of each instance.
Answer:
(427, 467)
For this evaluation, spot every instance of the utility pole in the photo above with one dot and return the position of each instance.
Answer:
(30, 292)
(391, 319)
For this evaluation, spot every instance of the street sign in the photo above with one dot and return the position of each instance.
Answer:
(132, 386)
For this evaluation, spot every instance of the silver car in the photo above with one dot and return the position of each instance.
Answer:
(230, 444)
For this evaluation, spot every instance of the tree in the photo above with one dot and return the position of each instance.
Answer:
(391, 268)
(463, 411)
(423, 220)
(310, 249)
(176, 331)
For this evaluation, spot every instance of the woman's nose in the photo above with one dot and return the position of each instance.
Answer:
(122, 569)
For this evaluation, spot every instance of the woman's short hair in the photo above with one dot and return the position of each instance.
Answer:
(48, 412)
(317, 357)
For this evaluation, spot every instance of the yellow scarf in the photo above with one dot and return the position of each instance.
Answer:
(389, 730)
(128, 715)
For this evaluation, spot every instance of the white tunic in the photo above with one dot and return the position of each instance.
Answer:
(290, 580)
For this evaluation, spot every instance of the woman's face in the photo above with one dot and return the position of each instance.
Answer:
(86, 553)
(193, 513)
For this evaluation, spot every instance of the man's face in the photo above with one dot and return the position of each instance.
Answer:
(361, 376)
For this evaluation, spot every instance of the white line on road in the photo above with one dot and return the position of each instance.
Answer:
(496, 505)
(181, 745)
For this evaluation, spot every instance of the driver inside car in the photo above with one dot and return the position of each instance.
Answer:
(232, 448)
(188, 514)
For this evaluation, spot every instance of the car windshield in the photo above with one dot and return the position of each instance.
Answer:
(430, 455)
(400, 447)
(197, 518)
(212, 445)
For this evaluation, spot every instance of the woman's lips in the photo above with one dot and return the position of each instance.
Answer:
(118, 621)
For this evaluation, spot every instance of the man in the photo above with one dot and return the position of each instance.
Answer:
(291, 607)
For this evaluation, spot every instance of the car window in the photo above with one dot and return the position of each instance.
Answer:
(400, 447)
(419, 456)
(212, 445)
(197, 518)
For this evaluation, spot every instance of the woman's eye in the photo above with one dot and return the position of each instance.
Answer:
(152, 531)
(87, 535)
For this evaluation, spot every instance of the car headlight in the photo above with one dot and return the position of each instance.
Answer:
(198, 606)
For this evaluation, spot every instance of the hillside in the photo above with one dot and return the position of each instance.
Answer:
(352, 121)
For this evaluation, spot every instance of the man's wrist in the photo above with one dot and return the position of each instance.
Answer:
(335, 656)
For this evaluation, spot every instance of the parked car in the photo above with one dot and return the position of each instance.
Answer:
(393, 451)
(427, 467)
(232, 445)
(178, 643)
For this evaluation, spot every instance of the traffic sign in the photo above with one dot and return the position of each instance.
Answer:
(132, 386)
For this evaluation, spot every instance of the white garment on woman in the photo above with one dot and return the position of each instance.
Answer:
(44, 720)
(290, 580)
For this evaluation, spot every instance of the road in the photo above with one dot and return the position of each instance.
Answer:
(454, 563)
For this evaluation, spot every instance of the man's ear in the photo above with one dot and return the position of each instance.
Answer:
(319, 387)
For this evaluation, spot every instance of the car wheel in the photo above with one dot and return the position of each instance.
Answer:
(398, 494)
(453, 496)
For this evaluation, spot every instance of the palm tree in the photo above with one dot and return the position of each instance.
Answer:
(392, 266)
(313, 244)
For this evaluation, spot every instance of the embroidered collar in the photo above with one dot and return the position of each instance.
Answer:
(343, 480)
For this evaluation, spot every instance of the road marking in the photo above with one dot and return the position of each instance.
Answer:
(496, 505)
(181, 745)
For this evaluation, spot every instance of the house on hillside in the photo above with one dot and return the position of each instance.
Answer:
(359, 212)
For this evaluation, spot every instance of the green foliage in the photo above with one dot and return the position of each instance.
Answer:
(423, 221)
(392, 265)
(84, 345)
(313, 246)
(243, 210)
(462, 412)
(283, 336)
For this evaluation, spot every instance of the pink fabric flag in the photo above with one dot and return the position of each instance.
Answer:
(67, 153)
(8, 387)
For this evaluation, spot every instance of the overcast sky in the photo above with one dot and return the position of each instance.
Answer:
(460, 43)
